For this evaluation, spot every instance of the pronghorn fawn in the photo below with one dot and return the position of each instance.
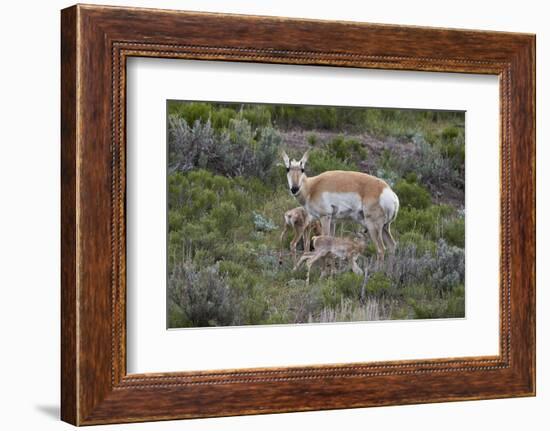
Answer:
(333, 195)
(343, 248)
(303, 226)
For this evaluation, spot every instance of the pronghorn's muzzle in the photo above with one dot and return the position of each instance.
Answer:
(294, 190)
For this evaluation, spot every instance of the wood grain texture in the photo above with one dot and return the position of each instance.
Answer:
(69, 366)
(96, 41)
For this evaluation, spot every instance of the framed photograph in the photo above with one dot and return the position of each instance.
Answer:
(264, 214)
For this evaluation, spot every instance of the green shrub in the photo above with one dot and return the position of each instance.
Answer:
(253, 187)
(265, 154)
(253, 309)
(348, 284)
(411, 177)
(450, 305)
(257, 115)
(419, 291)
(448, 270)
(252, 306)
(454, 232)
(349, 310)
(231, 269)
(450, 133)
(330, 297)
(427, 310)
(387, 175)
(245, 253)
(346, 150)
(321, 118)
(176, 246)
(388, 160)
(441, 270)
(261, 223)
(422, 244)
(412, 195)
(399, 123)
(423, 222)
(190, 111)
(430, 166)
(175, 220)
(190, 145)
(195, 235)
(225, 217)
(429, 221)
(381, 122)
(456, 303)
(233, 151)
(200, 179)
(378, 284)
(220, 118)
(452, 146)
(238, 197)
(203, 258)
(200, 296)
(321, 161)
(312, 139)
(373, 122)
(199, 202)
(177, 188)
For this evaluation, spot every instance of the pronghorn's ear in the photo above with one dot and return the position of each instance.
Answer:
(286, 159)
(304, 158)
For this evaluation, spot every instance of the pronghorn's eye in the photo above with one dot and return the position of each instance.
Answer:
(303, 170)
(288, 169)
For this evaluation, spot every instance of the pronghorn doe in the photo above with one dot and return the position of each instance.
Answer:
(343, 248)
(303, 226)
(333, 195)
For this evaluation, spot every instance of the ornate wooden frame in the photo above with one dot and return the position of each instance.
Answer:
(95, 43)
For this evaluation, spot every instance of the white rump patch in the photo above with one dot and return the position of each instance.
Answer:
(390, 204)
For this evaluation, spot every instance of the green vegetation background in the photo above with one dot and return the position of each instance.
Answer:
(227, 193)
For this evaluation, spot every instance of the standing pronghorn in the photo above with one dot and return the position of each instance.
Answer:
(341, 194)
(302, 225)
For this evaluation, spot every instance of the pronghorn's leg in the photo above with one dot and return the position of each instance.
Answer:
(307, 238)
(379, 231)
(375, 232)
(354, 267)
(326, 266)
(304, 257)
(333, 220)
(388, 238)
(283, 233)
(325, 225)
(326, 228)
(298, 233)
(316, 256)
